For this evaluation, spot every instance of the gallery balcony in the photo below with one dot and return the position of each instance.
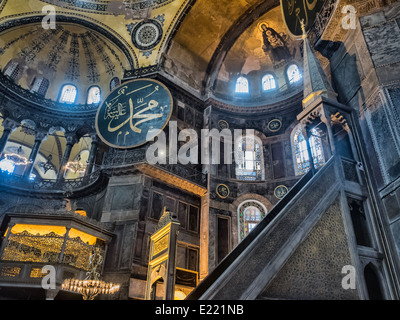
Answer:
(50, 186)
(188, 177)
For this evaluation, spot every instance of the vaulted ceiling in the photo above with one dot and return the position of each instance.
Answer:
(192, 41)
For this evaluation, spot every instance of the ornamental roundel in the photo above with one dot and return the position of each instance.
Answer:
(280, 191)
(134, 113)
(147, 34)
(274, 125)
(222, 191)
(222, 124)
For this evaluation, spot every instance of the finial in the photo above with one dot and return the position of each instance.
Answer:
(303, 29)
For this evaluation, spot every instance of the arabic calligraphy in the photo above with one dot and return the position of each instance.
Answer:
(296, 10)
(127, 115)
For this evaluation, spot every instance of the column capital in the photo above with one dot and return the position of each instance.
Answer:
(41, 135)
(71, 139)
(10, 125)
(95, 138)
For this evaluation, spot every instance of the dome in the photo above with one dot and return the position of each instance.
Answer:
(46, 60)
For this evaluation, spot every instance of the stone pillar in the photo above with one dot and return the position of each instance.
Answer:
(71, 140)
(326, 119)
(5, 239)
(64, 245)
(39, 138)
(92, 154)
(9, 126)
(204, 236)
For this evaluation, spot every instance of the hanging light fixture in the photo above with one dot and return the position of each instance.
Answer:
(91, 286)
(16, 159)
(76, 166)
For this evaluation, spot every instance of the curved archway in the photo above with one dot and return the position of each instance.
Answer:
(250, 213)
(372, 282)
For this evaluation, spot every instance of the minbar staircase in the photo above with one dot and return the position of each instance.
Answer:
(299, 249)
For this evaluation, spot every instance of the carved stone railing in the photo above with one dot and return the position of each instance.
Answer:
(123, 158)
(17, 181)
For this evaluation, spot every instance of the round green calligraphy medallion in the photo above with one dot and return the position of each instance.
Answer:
(134, 113)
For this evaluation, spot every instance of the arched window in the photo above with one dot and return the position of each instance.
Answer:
(250, 213)
(114, 83)
(302, 161)
(242, 85)
(40, 85)
(268, 82)
(249, 159)
(68, 93)
(94, 95)
(12, 70)
(293, 74)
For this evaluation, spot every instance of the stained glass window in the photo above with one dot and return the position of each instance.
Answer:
(293, 73)
(242, 85)
(94, 95)
(68, 93)
(249, 159)
(268, 82)
(300, 150)
(250, 214)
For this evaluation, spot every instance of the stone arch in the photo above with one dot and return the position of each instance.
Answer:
(234, 208)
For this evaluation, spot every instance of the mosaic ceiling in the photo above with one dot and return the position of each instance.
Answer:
(194, 41)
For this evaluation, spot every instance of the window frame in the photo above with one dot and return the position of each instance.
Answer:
(111, 82)
(262, 215)
(88, 95)
(241, 163)
(42, 80)
(300, 80)
(242, 93)
(275, 82)
(297, 131)
(61, 93)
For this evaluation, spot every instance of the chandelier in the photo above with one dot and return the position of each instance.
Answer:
(76, 166)
(91, 286)
(16, 159)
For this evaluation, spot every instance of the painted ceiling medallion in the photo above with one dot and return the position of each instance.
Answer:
(222, 124)
(134, 113)
(222, 191)
(280, 191)
(274, 125)
(147, 34)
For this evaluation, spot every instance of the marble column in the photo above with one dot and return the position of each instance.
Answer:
(9, 127)
(92, 154)
(71, 140)
(39, 138)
